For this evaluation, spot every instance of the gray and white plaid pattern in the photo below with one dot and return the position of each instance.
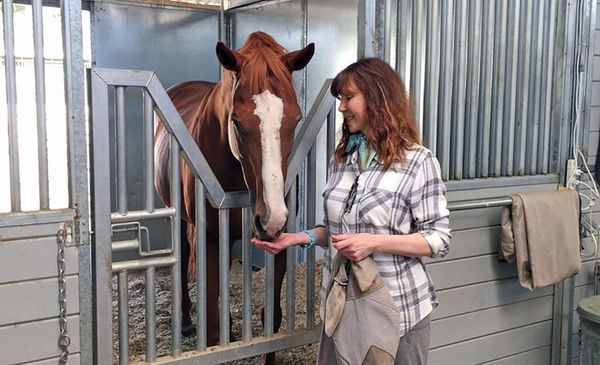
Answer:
(406, 198)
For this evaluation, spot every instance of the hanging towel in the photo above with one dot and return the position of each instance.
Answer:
(362, 322)
(540, 232)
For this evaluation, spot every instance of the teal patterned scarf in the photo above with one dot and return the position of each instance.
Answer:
(360, 142)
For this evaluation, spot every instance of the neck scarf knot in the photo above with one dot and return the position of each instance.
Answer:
(358, 141)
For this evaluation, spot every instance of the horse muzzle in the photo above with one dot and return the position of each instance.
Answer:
(272, 228)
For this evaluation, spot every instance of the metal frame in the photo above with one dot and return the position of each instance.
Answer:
(207, 186)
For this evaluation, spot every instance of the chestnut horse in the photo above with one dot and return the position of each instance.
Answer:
(244, 125)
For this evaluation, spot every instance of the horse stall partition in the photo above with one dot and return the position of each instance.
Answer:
(112, 220)
(45, 276)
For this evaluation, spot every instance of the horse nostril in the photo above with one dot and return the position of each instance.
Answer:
(260, 230)
(257, 223)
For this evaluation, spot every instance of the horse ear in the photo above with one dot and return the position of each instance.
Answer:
(297, 60)
(229, 58)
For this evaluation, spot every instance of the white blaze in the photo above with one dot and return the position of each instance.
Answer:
(269, 109)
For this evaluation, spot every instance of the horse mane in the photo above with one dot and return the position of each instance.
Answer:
(262, 59)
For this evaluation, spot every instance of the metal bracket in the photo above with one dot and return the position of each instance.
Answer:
(138, 242)
(77, 231)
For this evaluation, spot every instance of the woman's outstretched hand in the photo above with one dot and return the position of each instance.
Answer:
(355, 246)
(282, 242)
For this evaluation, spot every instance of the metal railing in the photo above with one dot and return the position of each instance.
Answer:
(155, 99)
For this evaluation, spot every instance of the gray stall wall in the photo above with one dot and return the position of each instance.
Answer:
(178, 44)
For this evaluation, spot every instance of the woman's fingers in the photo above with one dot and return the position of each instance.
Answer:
(340, 237)
(270, 247)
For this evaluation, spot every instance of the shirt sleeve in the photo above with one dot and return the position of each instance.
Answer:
(429, 206)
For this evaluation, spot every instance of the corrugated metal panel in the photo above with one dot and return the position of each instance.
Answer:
(497, 319)
(34, 300)
(35, 340)
(493, 346)
(39, 255)
(479, 74)
(539, 356)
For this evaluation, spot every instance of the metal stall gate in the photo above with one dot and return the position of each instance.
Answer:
(113, 217)
(45, 271)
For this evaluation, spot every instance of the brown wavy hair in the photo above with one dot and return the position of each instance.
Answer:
(392, 127)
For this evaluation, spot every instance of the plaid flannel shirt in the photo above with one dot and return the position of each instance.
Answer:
(407, 198)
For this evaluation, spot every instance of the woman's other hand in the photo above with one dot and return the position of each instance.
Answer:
(282, 242)
(354, 246)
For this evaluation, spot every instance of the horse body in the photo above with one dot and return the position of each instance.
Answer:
(244, 126)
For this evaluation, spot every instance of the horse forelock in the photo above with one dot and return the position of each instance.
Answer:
(262, 59)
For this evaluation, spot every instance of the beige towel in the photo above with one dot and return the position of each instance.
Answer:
(540, 232)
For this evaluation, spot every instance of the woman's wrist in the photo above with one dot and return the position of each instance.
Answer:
(312, 239)
(303, 238)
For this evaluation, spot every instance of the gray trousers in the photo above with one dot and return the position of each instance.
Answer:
(414, 346)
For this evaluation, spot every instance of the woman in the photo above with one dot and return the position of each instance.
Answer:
(384, 200)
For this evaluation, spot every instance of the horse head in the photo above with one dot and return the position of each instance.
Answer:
(262, 116)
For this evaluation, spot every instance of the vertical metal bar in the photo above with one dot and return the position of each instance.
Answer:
(100, 177)
(311, 188)
(473, 93)
(224, 276)
(545, 79)
(176, 240)
(247, 273)
(445, 99)
(557, 313)
(590, 38)
(201, 327)
(432, 76)
(269, 294)
(74, 99)
(361, 28)
(40, 102)
(303, 43)
(417, 79)
(391, 32)
(458, 93)
(221, 20)
(498, 87)
(482, 160)
(123, 319)
(148, 150)
(562, 104)
(77, 123)
(405, 41)
(121, 150)
(535, 82)
(510, 92)
(291, 261)
(523, 78)
(568, 299)
(11, 105)
(331, 127)
(150, 315)
(544, 149)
